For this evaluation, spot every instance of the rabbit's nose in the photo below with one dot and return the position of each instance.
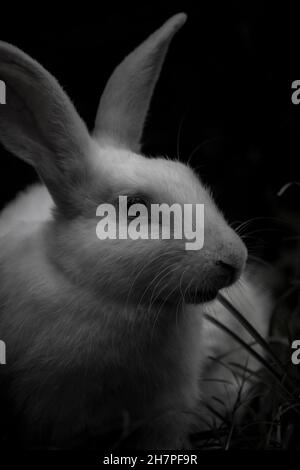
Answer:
(228, 272)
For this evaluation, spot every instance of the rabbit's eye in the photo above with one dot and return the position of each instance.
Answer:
(132, 200)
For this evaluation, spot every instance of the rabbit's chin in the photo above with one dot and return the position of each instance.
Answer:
(198, 296)
(191, 296)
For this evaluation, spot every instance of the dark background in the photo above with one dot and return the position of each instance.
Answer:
(223, 99)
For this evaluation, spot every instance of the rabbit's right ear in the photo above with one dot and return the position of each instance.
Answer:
(125, 101)
(40, 125)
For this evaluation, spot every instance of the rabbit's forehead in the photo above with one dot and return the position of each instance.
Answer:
(170, 181)
(161, 179)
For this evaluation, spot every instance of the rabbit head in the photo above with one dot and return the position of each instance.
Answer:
(40, 125)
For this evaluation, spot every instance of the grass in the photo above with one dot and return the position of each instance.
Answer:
(272, 417)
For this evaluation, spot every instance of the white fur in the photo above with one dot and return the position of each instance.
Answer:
(92, 338)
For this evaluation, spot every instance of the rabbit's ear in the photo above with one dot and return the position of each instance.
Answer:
(126, 98)
(39, 123)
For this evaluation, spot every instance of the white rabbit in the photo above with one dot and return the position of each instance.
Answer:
(102, 332)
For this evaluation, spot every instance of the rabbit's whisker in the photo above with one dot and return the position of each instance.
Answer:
(172, 268)
(152, 282)
(160, 309)
(144, 267)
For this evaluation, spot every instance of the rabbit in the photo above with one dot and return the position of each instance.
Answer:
(102, 334)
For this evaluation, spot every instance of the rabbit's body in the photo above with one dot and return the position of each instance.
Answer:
(102, 334)
(33, 204)
(69, 359)
(73, 352)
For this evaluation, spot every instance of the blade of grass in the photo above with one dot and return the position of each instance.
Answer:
(255, 354)
(251, 330)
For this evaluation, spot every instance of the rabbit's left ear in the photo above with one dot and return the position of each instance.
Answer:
(39, 124)
(125, 101)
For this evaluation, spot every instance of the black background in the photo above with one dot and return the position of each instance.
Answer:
(224, 95)
(223, 101)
